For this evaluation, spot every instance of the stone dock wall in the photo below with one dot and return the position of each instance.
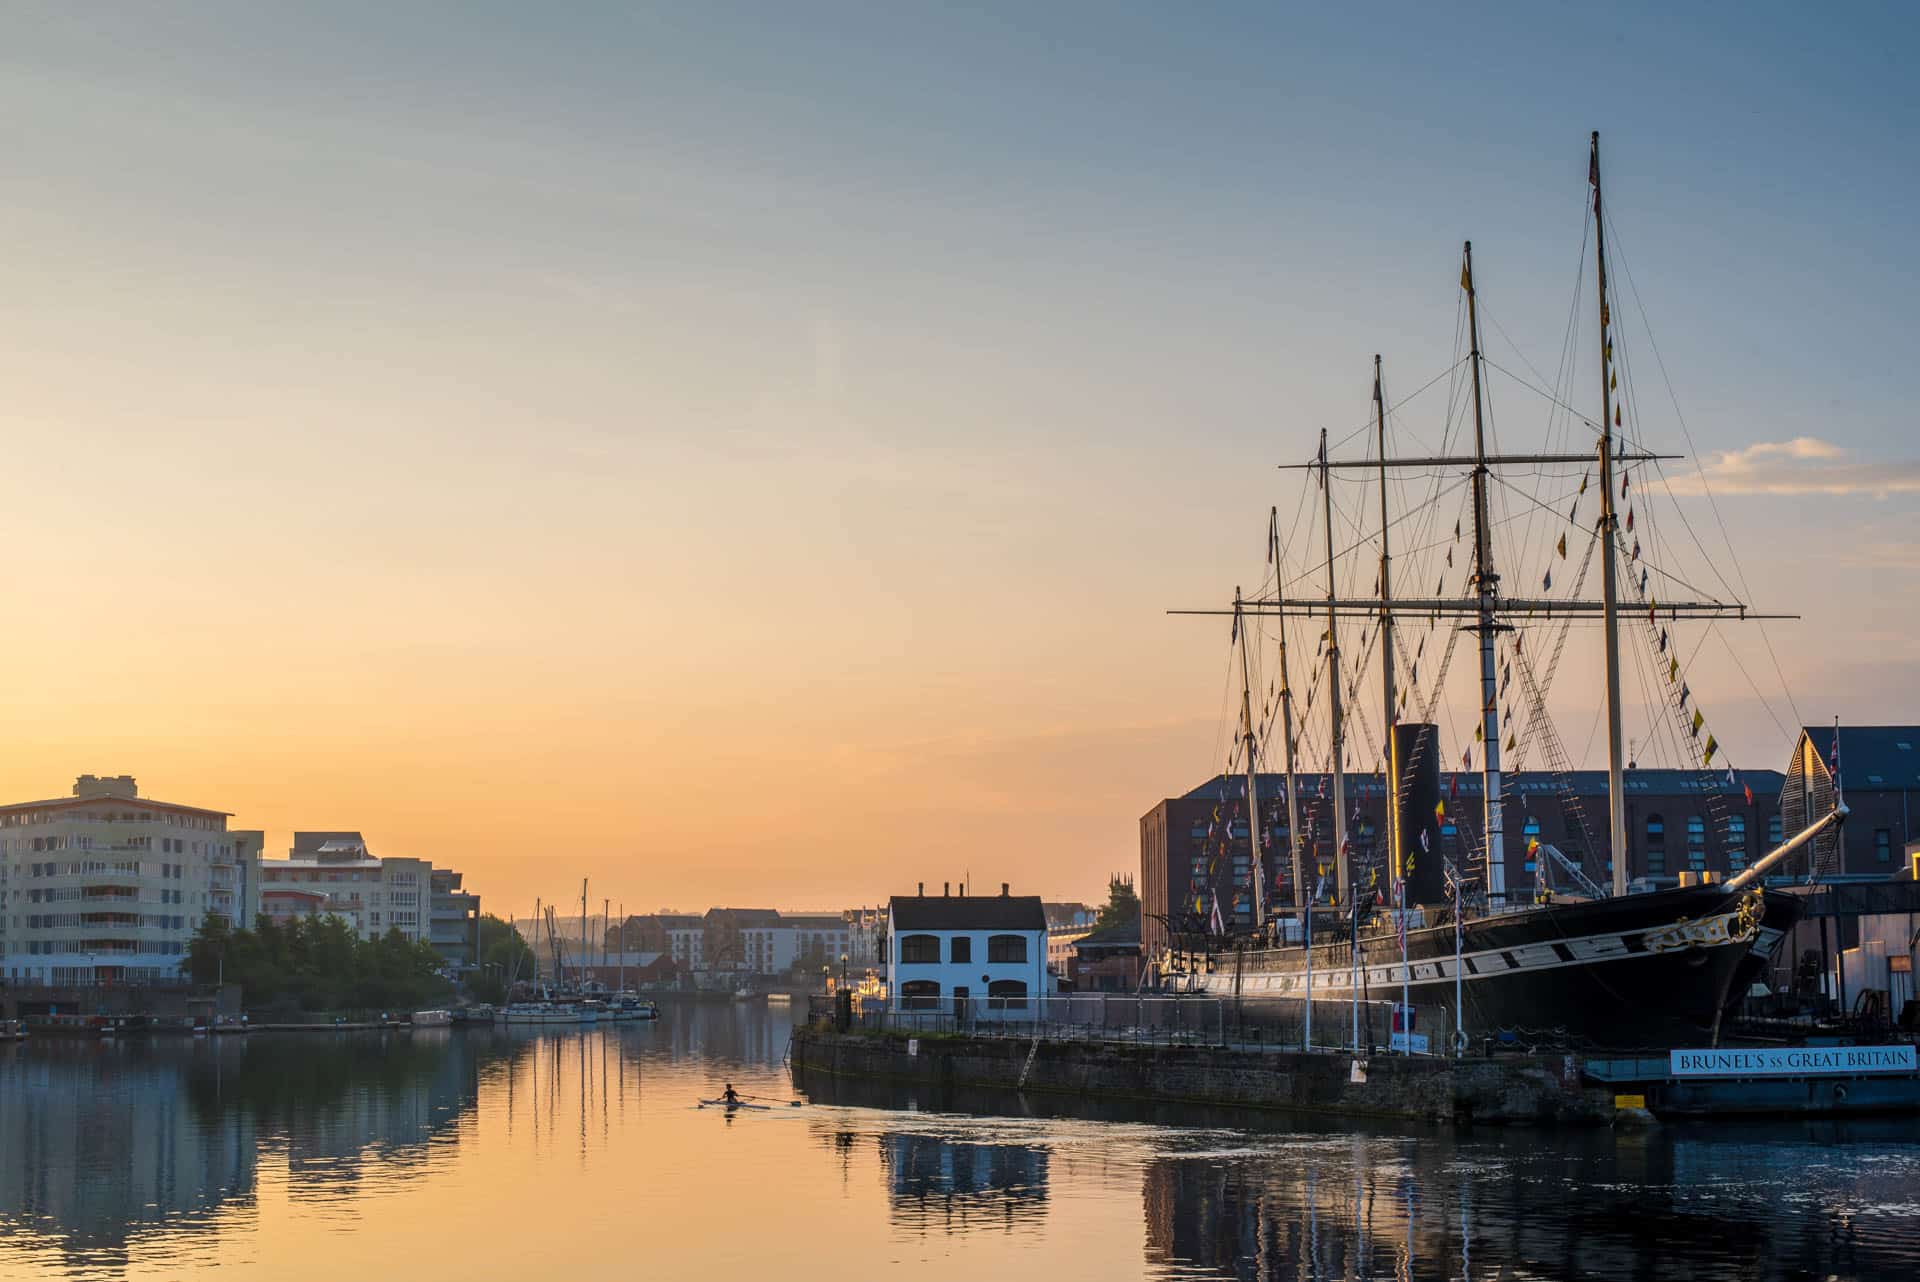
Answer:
(1529, 1090)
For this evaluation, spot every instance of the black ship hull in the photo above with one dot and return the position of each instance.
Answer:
(1637, 972)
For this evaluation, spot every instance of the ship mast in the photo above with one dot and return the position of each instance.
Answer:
(1286, 731)
(1609, 591)
(1340, 872)
(1486, 586)
(1253, 792)
(1394, 853)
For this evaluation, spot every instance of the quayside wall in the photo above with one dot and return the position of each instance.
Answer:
(1531, 1090)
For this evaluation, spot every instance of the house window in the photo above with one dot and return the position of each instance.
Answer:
(1656, 831)
(1882, 845)
(960, 949)
(919, 994)
(1006, 948)
(1007, 994)
(920, 950)
(1736, 842)
(1774, 836)
(1696, 831)
(1656, 862)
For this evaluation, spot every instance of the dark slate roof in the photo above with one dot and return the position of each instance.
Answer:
(1587, 783)
(1872, 757)
(966, 912)
(1127, 933)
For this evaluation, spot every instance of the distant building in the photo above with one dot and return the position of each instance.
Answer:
(1879, 773)
(1677, 821)
(107, 886)
(1107, 960)
(454, 922)
(334, 873)
(977, 956)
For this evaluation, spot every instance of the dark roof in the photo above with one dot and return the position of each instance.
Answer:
(1126, 934)
(1587, 783)
(746, 916)
(1872, 757)
(966, 912)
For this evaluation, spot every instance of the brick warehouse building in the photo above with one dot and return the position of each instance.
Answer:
(1677, 821)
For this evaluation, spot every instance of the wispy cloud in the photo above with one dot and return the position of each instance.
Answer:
(1803, 465)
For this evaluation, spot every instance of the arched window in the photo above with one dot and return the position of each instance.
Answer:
(1007, 994)
(919, 950)
(1696, 843)
(1736, 842)
(920, 994)
(1006, 948)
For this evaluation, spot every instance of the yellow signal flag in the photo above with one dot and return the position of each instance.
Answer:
(1616, 416)
(1563, 547)
(1439, 810)
(1608, 353)
(1511, 740)
(1605, 315)
(1613, 382)
(1699, 719)
(1673, 670)
(1713, 746)
(1466, 277)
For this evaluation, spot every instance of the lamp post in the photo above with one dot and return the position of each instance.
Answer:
(843, 970)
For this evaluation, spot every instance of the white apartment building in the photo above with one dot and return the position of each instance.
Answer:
(107, 886)
(973, 956)
(333, 873)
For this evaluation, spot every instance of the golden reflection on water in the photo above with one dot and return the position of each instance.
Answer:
(577, 1154)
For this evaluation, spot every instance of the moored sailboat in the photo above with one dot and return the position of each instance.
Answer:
(1599, 965)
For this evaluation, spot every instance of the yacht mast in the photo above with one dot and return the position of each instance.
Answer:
(1341, 886)
(1394, 853)
(1487, 587)
(1253, 792)
(1609, 591)
(1300, 897)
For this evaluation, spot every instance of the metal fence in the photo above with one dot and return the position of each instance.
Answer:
(1270, 1024)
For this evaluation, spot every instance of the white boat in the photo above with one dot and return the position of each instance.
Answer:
(628, 1007)
(536, 1013)
(779, 999)
(432, 1018)
(745, 995)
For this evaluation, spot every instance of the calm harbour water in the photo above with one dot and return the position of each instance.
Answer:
(475, 1155)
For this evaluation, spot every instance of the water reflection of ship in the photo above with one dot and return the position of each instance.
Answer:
(1736, 1203)
(937, 1182)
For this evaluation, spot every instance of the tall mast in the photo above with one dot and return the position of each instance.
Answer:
(1486, 587)
(1394, 853)
(1253, 792)
(1340, 870)
(1609, 591)
(1300, 896)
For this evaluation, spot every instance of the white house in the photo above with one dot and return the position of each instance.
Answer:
(978, 956)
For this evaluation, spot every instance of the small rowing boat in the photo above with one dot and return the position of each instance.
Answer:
(733, 1104)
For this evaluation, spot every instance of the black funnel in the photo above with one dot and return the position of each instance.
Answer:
(1415, 762)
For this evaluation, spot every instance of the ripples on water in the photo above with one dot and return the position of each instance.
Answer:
(475, 1155)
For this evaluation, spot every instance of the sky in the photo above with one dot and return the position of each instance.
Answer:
(744, 454)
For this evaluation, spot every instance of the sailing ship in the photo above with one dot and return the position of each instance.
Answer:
(1596, 965)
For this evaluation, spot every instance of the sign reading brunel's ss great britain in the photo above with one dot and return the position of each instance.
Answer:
(1792, 1061)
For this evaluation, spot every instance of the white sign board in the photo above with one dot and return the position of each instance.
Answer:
(913, 1048)
(1398, 1042)
(1792, 1061)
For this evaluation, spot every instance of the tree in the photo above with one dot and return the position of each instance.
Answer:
(504, 958)
(317, 963)
(1122, 906)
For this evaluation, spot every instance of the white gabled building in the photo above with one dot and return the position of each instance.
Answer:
(980, 956)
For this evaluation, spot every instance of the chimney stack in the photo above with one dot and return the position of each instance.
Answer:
(946, 889)
(1005, 887)
(922, 892)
